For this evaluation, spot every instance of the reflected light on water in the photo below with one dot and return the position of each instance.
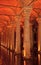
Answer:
(24, 56)
(38, 54)
(38, 46)
(38, 59)
(24, 62)
(24, 53)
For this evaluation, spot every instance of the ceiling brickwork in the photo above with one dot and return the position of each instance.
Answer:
(13, 8)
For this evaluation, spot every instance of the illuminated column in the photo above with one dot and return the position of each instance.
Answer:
(18, 40)
(8, 36)
(17, 35)
(39, 39)
(10, 42)
(39, 34)
(27, 32)
(13, 45)
(7, 39)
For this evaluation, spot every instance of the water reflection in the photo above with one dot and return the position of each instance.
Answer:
(38, 59)
(15, 60)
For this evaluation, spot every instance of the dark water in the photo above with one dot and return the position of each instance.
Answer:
(26, 62)
(15, 60)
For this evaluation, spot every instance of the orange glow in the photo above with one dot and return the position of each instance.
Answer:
(38, 46)
(24, 62)
(24, 53)
(24, 56)
(39, 59)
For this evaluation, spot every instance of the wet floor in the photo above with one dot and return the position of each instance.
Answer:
(25, 62)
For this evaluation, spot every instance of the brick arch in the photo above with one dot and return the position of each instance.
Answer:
(36, 10)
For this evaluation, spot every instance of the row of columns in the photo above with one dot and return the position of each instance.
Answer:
(9, 41)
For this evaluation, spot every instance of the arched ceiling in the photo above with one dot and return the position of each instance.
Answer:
(4, 17)
(18, 3)
(11, 2)
(36, 10)
(9, 9)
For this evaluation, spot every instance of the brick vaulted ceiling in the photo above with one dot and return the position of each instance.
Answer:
(9, 9)
(36, 10)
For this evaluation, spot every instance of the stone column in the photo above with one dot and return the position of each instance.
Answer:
(10, 42)
(27, 44)
(39, 39)
(13, 46)
(17, 50)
